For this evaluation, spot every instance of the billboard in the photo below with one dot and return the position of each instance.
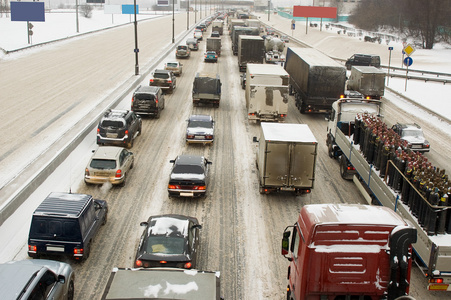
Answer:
(162, 2)
(27, 11)
(95, 1)
(129, 9)
(314, 12)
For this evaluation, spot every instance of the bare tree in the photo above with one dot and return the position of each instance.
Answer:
(86, 10)
(427, 22)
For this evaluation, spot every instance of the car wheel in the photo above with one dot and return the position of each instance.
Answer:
(123, 181)
(105, 219)
(157, 116)
(130, 144)
(70, 291)
(139, 131)
(87, 251)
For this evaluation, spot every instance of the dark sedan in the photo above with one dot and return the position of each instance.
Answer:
(169, 241)
(189, 176)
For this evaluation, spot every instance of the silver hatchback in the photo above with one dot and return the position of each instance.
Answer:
(109, 164)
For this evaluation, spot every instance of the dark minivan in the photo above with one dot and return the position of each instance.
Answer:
(363, 60)
(148, 100)
(65, 224)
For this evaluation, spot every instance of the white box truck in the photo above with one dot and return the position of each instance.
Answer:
(266, 92)
(286, 158)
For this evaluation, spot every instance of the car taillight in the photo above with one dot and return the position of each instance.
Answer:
(200, 187)
(98, 130)
(78, 250)
(169, 81)
(173, 187)
(126, 132)
(190, 136)
(209, 137)
(156, 101)
(188, 265)
(86, 172)
(163, 262)
(342, 96)
(118, 173)
(133, 99)
(151, 80)
(138, 263)
(32, 248)
(436, 280)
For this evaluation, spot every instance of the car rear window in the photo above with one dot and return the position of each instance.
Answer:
(187, 169)
(103, 164)
(161, 75)
(165, 245)
(144, 96)
(55, 229)
(203, 124)
(172, 65)
(112, 124)
(182, 47)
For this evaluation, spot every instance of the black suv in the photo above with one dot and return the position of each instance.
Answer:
(66, 224)
(148, 100)
(118, 127)
(165, 79)
(363, 60)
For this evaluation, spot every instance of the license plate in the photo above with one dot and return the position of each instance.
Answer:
(111, 135)
(186, 194)
(199, 137)
(55, 249)
(287, 189)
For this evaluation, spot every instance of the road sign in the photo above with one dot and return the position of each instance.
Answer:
(409, 49)
(408, 61)
(390, 48)
(293, 25)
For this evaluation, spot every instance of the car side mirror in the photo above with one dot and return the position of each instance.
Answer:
(209, 162)
(93, 151)
(285, 242)
(143, 224)
(254, 139)
(198, 226)
(172, 161)
(61, 279)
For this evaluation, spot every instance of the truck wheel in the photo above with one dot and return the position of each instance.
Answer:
(303, 108)
(343, 168)
(290, 90)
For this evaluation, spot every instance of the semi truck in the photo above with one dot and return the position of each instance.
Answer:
(389, 174)
(286, 158)
(250, 50)
(214, 44)
(266, 92)
(162, 283)
(316, 80)
(206, 89)
(274, 50)
(348, 251)
(242, 30)
(234, 22)
(218, 25)
(367, 80)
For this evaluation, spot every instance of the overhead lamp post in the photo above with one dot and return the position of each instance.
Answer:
(195, 11)
(173, 21)
(187, 15)
(136, 41)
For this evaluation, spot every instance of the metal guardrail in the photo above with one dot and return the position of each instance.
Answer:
(444, 81)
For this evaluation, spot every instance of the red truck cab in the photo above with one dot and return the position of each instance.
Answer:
(341, 251)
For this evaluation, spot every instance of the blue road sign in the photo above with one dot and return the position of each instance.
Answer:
(129, 9)
(27, 11)
(390, 48)
(293, 26)
(408, 61)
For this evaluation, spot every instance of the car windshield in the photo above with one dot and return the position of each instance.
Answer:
(161, 75)
(165, 245)
(103, 164)
(188, 169)
(112, 124)
(203, 124)
(172, 65)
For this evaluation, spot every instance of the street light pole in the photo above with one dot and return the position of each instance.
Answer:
(136, 42)
(173, 21)
(187, 15)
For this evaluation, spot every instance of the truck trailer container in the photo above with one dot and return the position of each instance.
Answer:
(214, 44)
(316, 80)
(217, 25)
(242, 30)
(369, 81)
(162, 283)
(389, 174)
(266, 92)
(206, 89)
(348, 251)
(250, 50)
(286, 158)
